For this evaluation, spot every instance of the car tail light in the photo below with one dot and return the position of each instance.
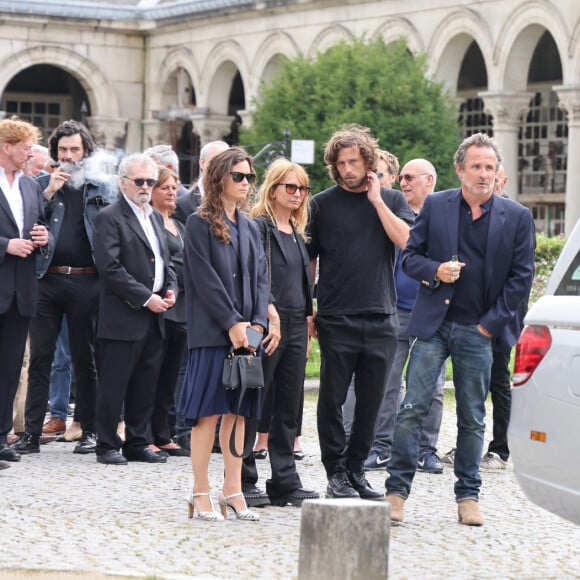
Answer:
(533, 344)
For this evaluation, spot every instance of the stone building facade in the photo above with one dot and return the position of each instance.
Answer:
(178, 71)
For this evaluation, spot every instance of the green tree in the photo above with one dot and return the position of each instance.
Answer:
(380, 86)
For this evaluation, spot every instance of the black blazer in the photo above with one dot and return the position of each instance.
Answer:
(126, 265)
(210, 267)
(187, 204)
(18, 275)
(276, 257)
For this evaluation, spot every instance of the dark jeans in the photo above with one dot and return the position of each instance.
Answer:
(173, 345)
(284, 382)
(13, 332)
(362, 345)
(128, 374)
(77, 296)
(470, 353)
(501, 400)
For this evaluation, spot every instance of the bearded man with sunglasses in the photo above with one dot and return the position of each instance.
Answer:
(138, 285)
(353, 230)
(68, 285)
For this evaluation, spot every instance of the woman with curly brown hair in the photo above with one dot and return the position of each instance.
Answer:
(226, 290)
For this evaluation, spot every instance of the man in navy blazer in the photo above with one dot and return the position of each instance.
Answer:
(473, 253)
(21, 234)
(138, 284)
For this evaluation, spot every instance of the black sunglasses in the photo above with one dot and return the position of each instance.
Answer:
(140, 181)
(238, 177)
(291, 188)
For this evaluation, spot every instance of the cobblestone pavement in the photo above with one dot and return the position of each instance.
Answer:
(63, 512)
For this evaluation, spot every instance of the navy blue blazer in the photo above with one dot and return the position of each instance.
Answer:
(509, 264)
(210, 286)
(273, 245)
(18, 276)
(126, 265)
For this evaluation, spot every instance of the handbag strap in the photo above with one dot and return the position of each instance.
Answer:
(269, 250)
(250, 421)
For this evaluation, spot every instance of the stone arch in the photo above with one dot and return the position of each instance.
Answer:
(180, 57)
(450, 41)
(518, 39)
(103, 99)
(225, 61)
(275, 47)
(329, 37)
(393, 29)
(574, 51)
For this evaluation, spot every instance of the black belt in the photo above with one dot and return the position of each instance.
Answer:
(71, 270)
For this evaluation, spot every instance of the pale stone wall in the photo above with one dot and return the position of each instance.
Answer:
(128, 68)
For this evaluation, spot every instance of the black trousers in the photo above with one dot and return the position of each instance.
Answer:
(128, 374)
(501, 400)
(77, 296)
(173, 345)
(13, 333)
(284, 383)
(363, 345)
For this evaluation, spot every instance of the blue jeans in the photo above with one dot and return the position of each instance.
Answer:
(60, 375)
(471, 357)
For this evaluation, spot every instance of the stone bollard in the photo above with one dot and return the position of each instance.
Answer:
(344, 538)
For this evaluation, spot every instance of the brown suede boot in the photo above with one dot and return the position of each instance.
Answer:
(469, 514)
(396, 502)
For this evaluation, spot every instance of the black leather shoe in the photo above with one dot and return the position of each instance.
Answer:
(8, 453)
(184, 441)
(339, 487)
(111, 457)
(255, 497)
(4, 465)
(27, 444)
(87, 444)
(294, 497)
(359, 481)
(145, 455)
(174, 451)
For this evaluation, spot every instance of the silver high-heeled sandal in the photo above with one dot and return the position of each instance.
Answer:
(245, 515)
(212, 516)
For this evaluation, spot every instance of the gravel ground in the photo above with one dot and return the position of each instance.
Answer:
(65, 516)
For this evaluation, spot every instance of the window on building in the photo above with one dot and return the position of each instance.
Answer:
(542, 145)
(44, 112)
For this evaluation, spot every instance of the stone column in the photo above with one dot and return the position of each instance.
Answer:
(108, 131)
(569, 97)
(507, 108)
(210, 126)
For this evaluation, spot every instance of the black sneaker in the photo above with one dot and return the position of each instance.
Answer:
(87, 444)
(359, 482)
(339, 487)
(255, 497)
(429, 462)
(27, 444)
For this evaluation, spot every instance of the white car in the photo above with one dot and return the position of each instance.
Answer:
(544, 431)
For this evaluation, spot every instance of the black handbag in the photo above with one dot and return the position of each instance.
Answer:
(242, 372)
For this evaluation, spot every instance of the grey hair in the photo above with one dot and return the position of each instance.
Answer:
(136, 159)
(164, 155)
(205, 152)
(476, 140)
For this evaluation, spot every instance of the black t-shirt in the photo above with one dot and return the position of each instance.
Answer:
(73, 247)
(356, 270)
(292, 295)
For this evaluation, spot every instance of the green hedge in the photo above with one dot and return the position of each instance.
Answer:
(547, 252)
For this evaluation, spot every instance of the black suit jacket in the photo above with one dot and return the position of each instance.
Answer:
(276, 257)
(18, 275)
(126, 265)
(187, 204)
